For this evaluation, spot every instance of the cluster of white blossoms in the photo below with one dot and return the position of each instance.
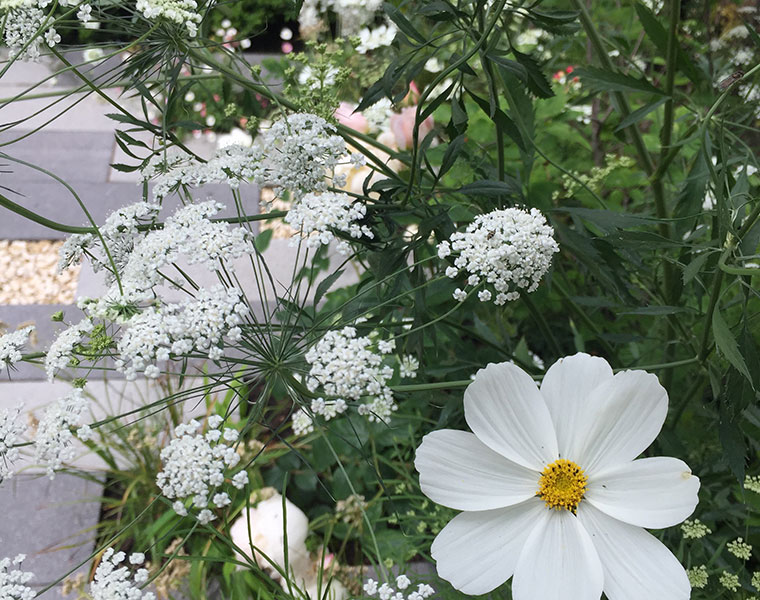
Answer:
(120, 232)
(194, 466)
(11, 430)
(386, 592)
(190, 234)
(22, 20)
(509, 250)
(181, 12)
(230, 165)
(60, 353)
(316, 216)
(53, 444)
(115, 582)
(200, 324)
(346, 368)
(13, 580)
(11, 344)
(299, 152)
(376, 37)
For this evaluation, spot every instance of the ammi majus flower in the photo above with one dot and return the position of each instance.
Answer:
(552, 490)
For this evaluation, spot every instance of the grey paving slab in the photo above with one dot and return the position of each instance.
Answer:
(55, 202)
(73, 156)
(52, 522)
(60, 110)
(26, 73)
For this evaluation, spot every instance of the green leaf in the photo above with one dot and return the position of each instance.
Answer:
(537, 82)
(501, 117)
(262, 240)
(732, 442)
(694, 267)
(325, 285)
(395, 15)
(452, 153)
(659, 36)
(599, 80)
(639, 114)
(492, 188)
(726, 343)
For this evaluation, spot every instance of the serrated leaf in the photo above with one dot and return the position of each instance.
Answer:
(599, 80)
(501, 117)
(639, 114)
(124, 168)
(325, 285)
(451, 154)
(537, 82)
(726, 343)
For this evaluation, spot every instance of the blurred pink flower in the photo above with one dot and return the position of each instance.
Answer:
(355, 120)
(402, 126)
(286, 47)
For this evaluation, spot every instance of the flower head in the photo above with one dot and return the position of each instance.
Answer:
(510, 250)
(552, 492)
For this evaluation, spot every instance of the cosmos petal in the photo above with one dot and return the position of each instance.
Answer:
(630, 409)
(477, 551)
(636, 564)
(566, 389)
(558, 561)
(649, 492)
(505, 409)
(459, 471)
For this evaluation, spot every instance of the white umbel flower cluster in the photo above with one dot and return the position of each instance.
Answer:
(114, 582)
(181, 12)
(53, 444)
(346, 368)
(13, 580)
(11, 344)
(510, 250)
(194, 466)
(196, 325)
(300, 151)
(11, 430)
(22, 20)
(60, 353)
(230, 165)
(120, 232)
(190, 234)
(316, 216)
(297, 153)
(386, 592)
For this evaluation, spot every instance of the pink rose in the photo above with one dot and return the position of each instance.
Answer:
(355, 120)
(402, 126)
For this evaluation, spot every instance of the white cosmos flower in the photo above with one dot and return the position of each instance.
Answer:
(551, 489)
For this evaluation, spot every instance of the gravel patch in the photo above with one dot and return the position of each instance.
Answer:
(29, 274)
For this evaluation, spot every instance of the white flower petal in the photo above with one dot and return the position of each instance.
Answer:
(567, 388)
(504, 408)
(650, 492)
(636, 564)
(477, 551)
(558, 562)
(461, 472)
(630, 409)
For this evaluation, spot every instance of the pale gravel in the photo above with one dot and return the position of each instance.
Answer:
(28, 274)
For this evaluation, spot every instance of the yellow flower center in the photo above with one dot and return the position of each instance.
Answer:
(562, 485)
